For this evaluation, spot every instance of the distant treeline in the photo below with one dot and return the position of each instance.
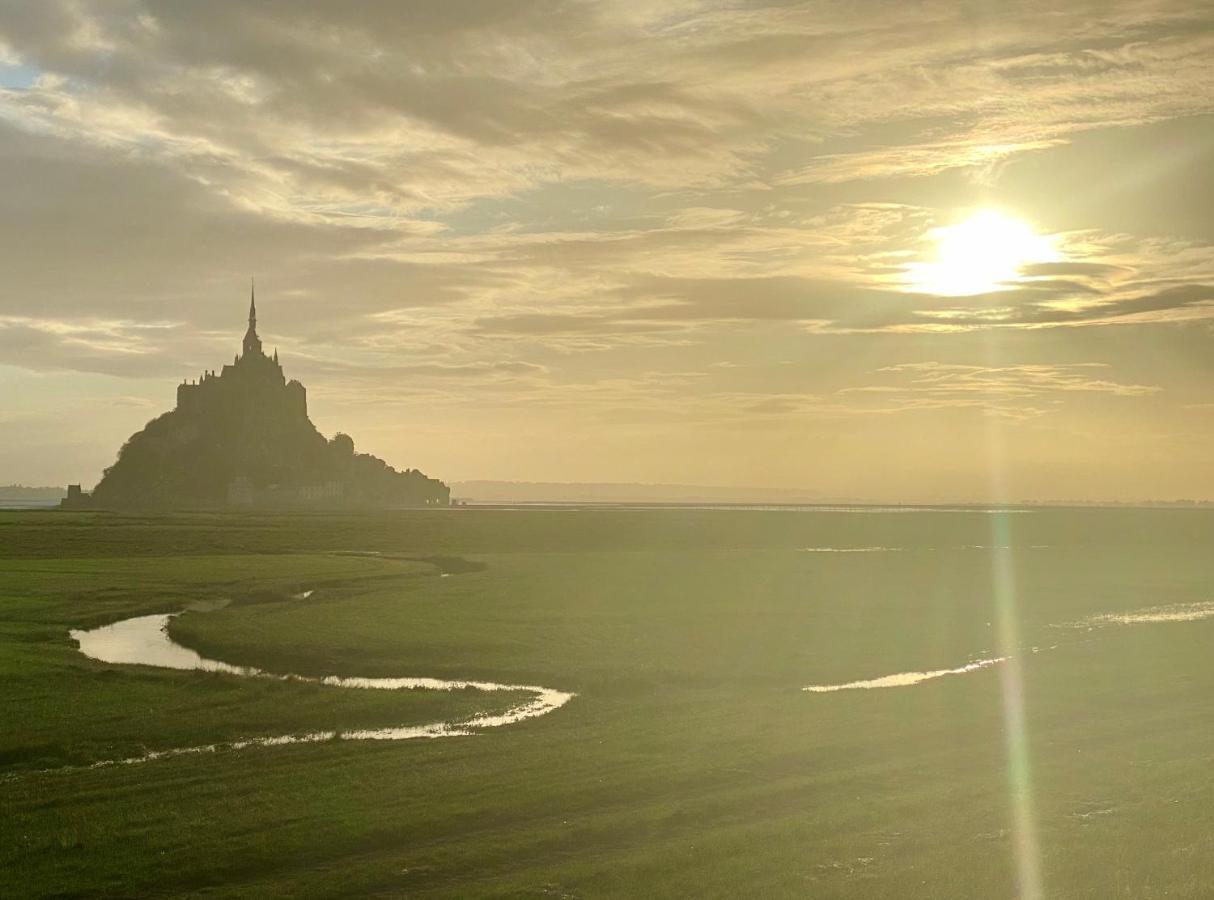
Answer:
(1135, 503)
(27, 492)
(623, 492)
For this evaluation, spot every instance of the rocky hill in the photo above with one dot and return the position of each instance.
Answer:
(242, 437)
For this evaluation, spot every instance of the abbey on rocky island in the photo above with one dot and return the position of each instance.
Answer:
(242, 437)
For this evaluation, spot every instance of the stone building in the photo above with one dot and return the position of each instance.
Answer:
(242, 437)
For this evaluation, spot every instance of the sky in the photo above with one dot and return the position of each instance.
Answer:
(900, 252)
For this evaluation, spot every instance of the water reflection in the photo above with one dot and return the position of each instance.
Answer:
(902, 679)
(852, 549)
(1177, 612)
(144, 640)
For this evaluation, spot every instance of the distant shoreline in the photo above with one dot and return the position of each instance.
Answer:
(43, 505)
(29, 503)
(631, 496)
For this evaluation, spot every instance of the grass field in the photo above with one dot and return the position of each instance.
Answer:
(690, 763)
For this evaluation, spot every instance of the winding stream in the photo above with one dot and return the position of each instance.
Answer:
(902, 679)
(144, 640)
(1177, 612)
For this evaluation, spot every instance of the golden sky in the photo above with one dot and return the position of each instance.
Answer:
(892, 251)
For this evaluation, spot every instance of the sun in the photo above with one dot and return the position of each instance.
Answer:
(986, 252)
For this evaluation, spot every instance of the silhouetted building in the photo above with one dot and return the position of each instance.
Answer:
(253, 381)
(76, 498)
(242, 437)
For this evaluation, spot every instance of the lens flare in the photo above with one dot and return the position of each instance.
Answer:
(1015, 727)
(1021, 804)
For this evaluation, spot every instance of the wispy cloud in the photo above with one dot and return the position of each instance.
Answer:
(618, 213)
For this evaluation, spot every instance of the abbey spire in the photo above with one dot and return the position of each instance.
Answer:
(252, 343)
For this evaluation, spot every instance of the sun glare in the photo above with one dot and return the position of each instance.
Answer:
(984, 253)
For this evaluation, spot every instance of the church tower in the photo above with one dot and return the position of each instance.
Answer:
(252, 343)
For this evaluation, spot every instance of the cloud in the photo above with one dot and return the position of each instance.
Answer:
(617, 214)
(301, 110)
(1024, 391)
(100, 347)
(844, 307)
(1027, 380)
